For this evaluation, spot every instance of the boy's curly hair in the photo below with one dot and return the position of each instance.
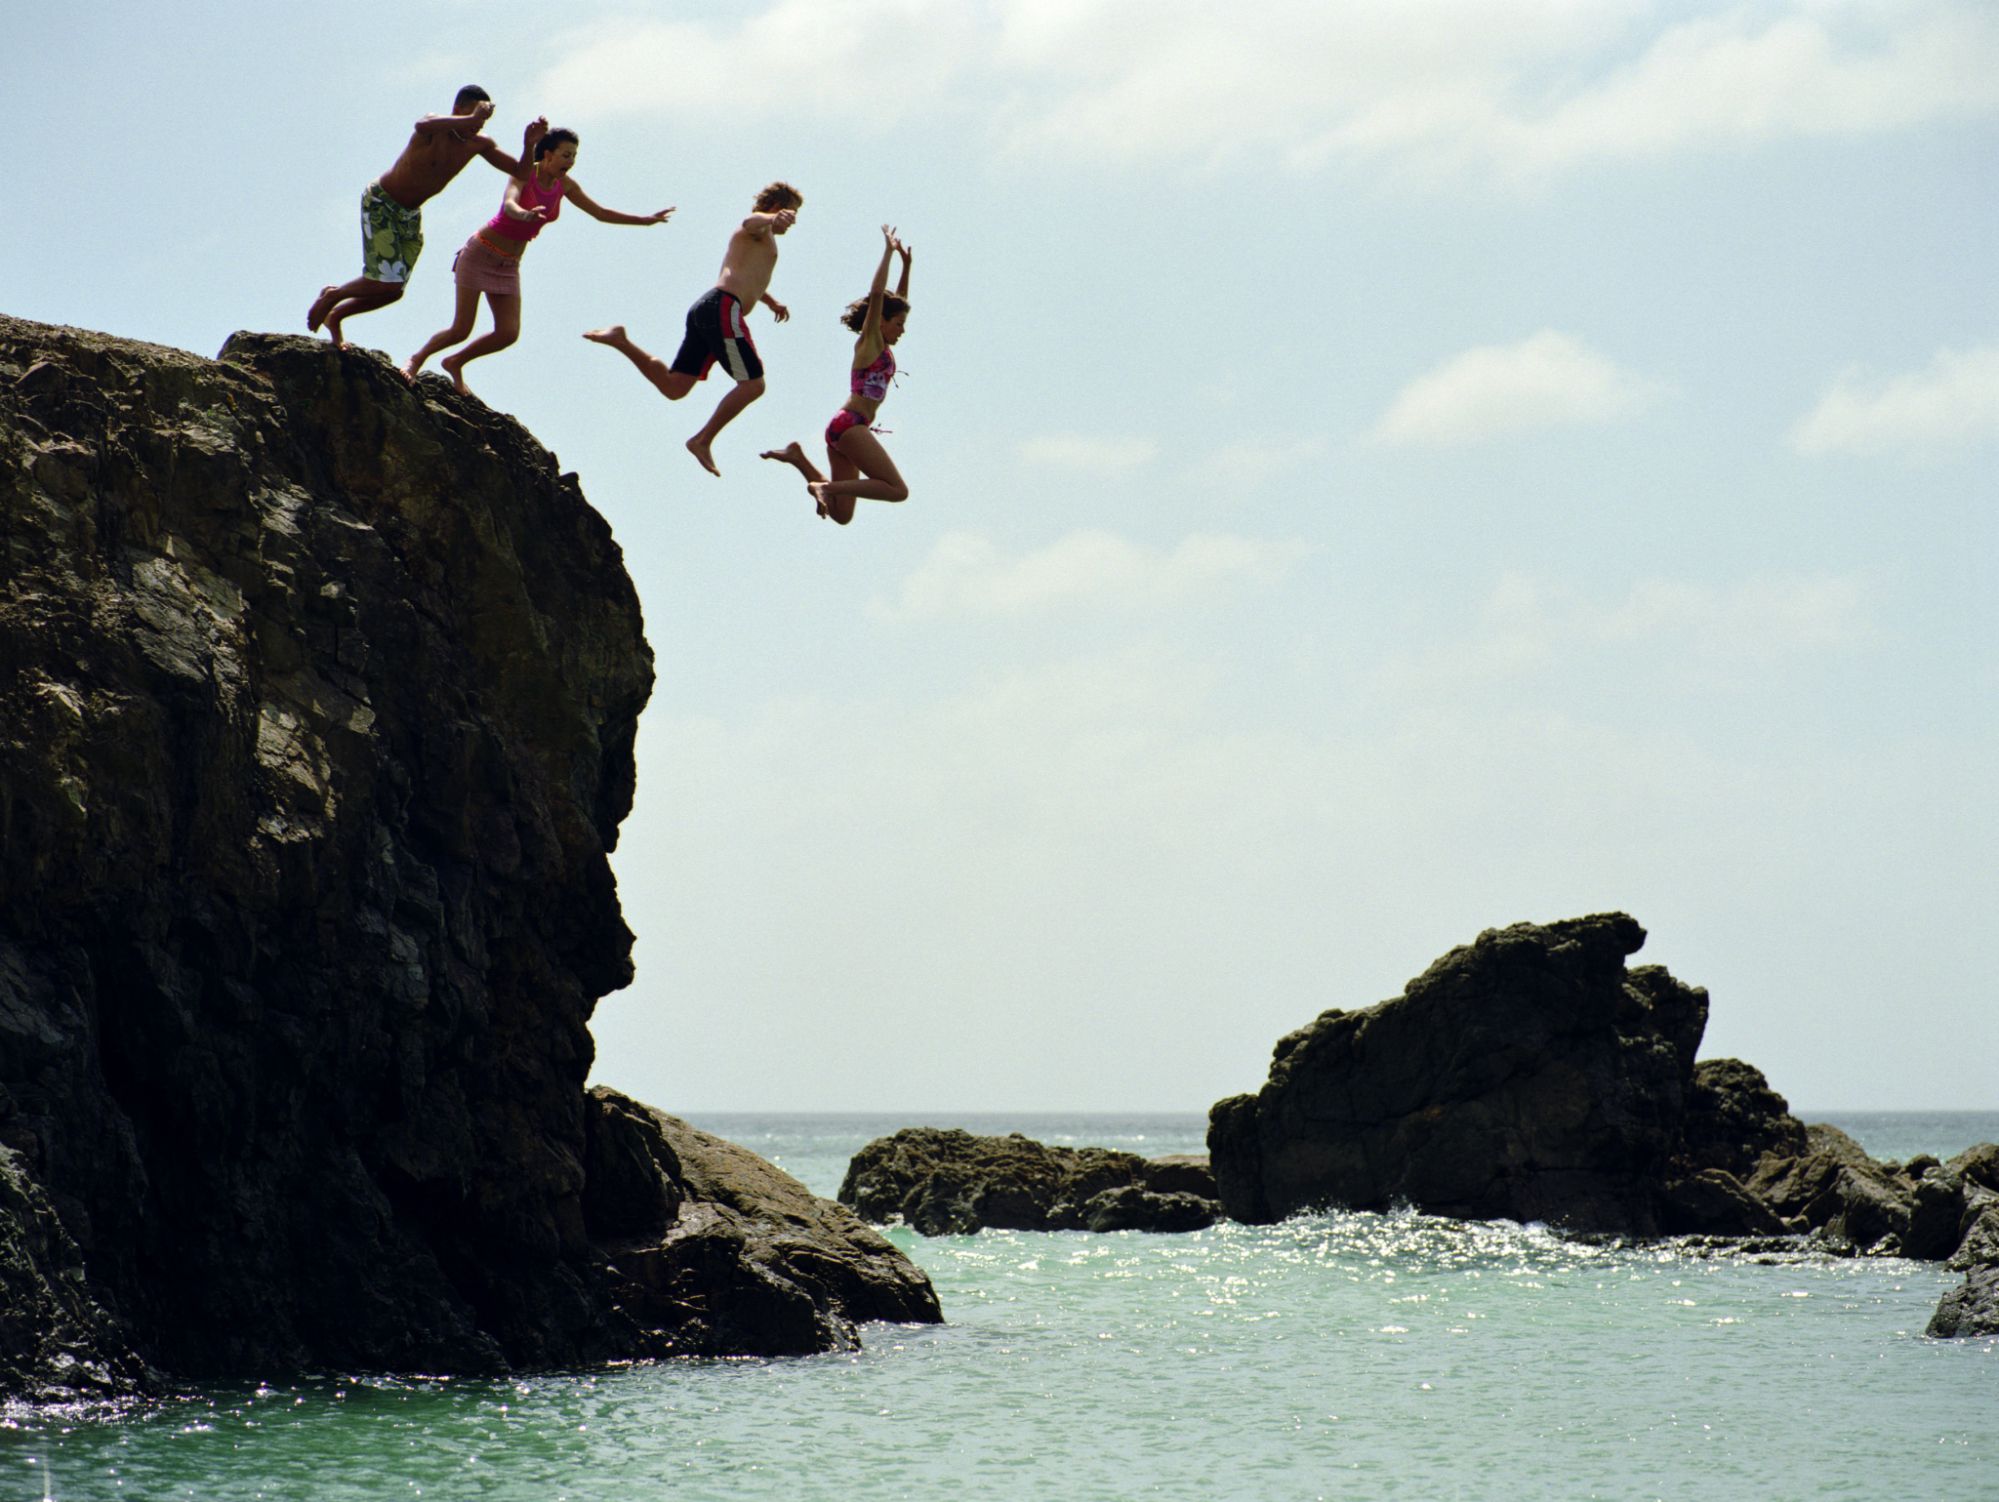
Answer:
(776, 196)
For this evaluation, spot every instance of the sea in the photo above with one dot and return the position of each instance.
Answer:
(1342, 1355)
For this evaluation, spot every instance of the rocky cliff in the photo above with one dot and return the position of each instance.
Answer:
(317, 703)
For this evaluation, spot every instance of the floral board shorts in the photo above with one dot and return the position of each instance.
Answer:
(391, 237)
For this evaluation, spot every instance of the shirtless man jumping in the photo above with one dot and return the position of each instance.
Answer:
(391, 218)
(716, 324)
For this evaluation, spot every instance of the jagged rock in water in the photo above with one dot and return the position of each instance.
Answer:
(1733, 1119)
(1527, 1075)
(1972, 1308)
(1833, 1186)
(734, 1254)
(317, 703)
(56, 1341)
(945, 1182)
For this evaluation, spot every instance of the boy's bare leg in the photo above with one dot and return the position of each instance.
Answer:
(362, 295)
(672, 384)
(726, 410)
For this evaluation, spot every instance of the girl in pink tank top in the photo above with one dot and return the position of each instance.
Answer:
(861, 467)
(490, 262)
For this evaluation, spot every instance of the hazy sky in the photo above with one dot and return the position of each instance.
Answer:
(1380, 471)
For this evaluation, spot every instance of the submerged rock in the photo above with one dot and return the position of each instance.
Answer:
(945, 1182)
(316, 727)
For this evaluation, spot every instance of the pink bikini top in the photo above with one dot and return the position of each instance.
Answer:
(872, 382)
(533, 196)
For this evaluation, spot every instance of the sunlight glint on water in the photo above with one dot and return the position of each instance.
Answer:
(1343, 1355)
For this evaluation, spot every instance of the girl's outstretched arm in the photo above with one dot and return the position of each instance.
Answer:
(573, 191)
(871, 321)
(902, 285)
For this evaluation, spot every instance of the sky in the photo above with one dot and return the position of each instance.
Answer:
(1380, 470)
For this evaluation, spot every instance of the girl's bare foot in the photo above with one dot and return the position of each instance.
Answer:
(410, 367)
(698, 447)
(454, 367)
(790, 454)
(818, 491)
(613, 336)
(316, 314)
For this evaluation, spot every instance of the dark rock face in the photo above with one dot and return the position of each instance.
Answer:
(56, 1341)
(1972, 1308)
(946, 1182)
(1527, 1075)
(1734, 1119)
(317, 703)
(731, 1254)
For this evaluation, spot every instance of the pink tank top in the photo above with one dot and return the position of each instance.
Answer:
(533, 196)
(872, 382)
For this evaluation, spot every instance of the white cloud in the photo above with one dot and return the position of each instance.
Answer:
(1757, 620)
(1717, 82)
(1432, 86)
(1096, 455)
(1253, 463)
(794, 58)
(1546, 380)
(1921, 415)
(966, 574)
(1686, 634)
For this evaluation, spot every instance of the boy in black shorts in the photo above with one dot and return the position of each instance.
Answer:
(717, 325)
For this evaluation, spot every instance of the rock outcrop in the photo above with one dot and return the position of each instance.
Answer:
(946, 1182)
(1530, 1076)
(317, 703)
(1972, 1308)
(1527, 1075)
(734, 1255)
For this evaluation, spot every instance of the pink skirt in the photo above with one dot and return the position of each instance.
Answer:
(484, 269)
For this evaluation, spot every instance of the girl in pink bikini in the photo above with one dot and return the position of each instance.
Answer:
(862, 469)
(490, 261)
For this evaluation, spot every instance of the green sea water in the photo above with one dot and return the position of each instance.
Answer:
(1344, 1355)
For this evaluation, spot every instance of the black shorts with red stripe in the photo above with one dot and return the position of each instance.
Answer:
(717, 331)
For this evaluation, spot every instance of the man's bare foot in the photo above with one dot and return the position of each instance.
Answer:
(613, 336)
(316, 314)
(454, 367)
(333, 321)
(698, 447)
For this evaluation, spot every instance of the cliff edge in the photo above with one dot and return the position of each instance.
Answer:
(317, 703)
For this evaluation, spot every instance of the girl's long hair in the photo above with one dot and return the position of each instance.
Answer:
(857, 310)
